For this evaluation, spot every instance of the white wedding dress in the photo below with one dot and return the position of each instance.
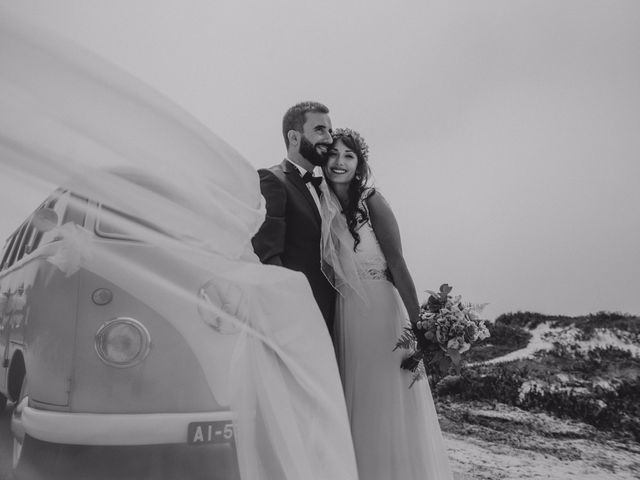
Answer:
(395, 429)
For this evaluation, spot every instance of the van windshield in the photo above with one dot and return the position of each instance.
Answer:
(113, 223)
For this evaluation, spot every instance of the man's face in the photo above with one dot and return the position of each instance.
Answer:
(316, 138)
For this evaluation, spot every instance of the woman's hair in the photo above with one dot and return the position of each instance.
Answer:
(353, 211)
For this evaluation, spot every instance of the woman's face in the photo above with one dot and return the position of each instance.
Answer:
(341, 164)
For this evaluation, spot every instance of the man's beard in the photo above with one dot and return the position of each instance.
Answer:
(308, 151)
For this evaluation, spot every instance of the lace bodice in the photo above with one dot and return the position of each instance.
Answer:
(370, 260)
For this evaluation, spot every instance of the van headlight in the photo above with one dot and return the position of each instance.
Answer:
(122, 342)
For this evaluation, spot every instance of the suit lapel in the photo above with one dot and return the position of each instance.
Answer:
(293, 175)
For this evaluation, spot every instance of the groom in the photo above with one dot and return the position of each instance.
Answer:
(290, 234)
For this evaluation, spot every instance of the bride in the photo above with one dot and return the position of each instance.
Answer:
(395, 429)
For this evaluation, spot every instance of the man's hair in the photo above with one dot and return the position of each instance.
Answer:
(296, 116)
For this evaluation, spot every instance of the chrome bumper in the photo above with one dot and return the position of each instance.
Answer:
(112, 429)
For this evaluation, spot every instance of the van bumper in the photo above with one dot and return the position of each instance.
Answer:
(113, 429)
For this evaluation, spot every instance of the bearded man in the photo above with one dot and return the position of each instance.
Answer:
(290, 235)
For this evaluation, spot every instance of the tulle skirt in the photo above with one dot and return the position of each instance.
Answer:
(395, 429)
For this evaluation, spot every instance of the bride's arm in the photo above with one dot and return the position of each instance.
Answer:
(386, 229)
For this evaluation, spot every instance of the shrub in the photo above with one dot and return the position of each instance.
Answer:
(620, 321)
(504, 338)
(513, 336)
(531, 319)
(602, 359)
(612, 407)
(588, 323)
(502, 385)
(616, 410)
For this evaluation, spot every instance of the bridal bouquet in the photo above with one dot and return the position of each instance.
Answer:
(447, 328)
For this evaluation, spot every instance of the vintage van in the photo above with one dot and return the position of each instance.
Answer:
(99, 378)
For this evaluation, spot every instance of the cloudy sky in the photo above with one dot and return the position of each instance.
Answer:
(504, 133)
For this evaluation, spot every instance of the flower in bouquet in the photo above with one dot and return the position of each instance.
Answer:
(447, 329)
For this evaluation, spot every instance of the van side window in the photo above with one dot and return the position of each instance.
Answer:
(32, 239)
(25, 247)
(7, 250)
(69, 207)
(34, 235)
(16, 245)
(113, 223)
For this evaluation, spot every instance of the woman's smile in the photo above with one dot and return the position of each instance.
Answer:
(341, 164)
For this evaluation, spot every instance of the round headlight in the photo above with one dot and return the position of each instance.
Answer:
(122, 342)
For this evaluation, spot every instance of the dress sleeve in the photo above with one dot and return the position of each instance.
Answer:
(268, 243)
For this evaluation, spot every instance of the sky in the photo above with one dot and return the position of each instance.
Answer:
(504, 133)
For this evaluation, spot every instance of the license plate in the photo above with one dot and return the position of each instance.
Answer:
(210, 432)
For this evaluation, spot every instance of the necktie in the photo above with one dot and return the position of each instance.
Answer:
(315, 181)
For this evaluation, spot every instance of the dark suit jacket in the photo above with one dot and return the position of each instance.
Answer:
(290, 234)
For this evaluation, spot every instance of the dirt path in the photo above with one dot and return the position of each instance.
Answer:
(476, 459)
(536, 343)
(496, 442)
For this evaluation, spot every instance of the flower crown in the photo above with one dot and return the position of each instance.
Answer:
(362, 145)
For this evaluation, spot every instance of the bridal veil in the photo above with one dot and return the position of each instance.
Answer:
(69, 119)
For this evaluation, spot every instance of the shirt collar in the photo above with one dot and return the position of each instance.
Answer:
(300, 169)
